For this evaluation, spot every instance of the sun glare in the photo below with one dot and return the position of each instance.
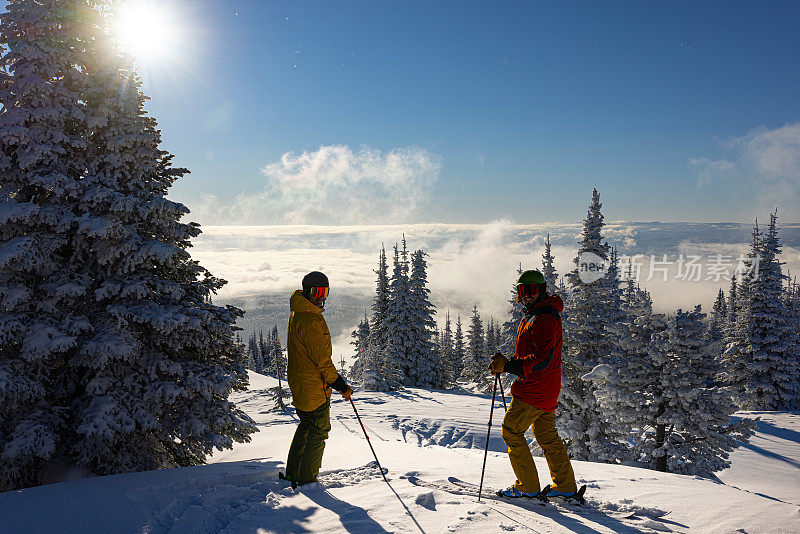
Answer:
(149, 31)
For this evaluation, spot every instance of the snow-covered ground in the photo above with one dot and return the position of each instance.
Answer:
(431, 435)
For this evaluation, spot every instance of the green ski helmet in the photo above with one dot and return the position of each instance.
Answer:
(529, 282)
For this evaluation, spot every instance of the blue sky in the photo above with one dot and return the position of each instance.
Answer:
(669, 108)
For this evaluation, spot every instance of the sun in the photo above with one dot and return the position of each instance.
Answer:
(149, 31)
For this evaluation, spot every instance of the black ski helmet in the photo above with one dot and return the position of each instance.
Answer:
(314, 279)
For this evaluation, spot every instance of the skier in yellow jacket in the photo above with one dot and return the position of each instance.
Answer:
(311, 375)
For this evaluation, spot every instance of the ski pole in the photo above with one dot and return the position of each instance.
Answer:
(488, 435)
(368, 442)
(503, 395)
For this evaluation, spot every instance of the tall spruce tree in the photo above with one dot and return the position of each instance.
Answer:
(732, 307)
(378, 334)
(459, 349)
(719, 316)
(422, 367)
(395, 356)
(588, 345)
(624, 390)
(361, 344)
(255, 353)
(447, 353)
(278, 370)
(475, 360)
(759, 363)
(128, 360)
(491, 341)
(264, 350)
(548, 268)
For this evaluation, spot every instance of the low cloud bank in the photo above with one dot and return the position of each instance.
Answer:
(473, 263)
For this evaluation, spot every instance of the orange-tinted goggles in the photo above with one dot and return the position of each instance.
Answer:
(318, 292)
(526, 290)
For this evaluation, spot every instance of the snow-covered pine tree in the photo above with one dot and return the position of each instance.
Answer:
(732, 307)
(618, 323)
(361, 343)
(265, 351)
(378, 334)
(130, 362)
(254, 354)
(278, 366)
(793, 305)
(759, 364)
(664, 411)
(476, 361)
(248, 362)
(42, 136)
(548, 268)
(623, 391)
(588, 345)
(516, 311)
(491, 343)
(459, 350)
(693, 431)
(278, 369)
(422, 367)
(447, 353)
(719, 316)
(159, 360)
(398, 324)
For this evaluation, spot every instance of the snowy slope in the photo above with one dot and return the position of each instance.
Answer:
(432, 435)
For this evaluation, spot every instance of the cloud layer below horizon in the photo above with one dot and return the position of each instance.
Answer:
(470, 263)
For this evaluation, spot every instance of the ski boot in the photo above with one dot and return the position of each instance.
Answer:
(281, 476)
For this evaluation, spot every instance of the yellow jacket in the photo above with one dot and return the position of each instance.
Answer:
(310, 368)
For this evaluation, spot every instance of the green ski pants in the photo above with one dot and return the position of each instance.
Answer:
(305, 453)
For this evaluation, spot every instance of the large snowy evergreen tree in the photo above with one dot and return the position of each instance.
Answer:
(476, 361)
(422, 367)
(398, 324)
(693, 431)
(759, 363)
(112, 357)
(360, 343)
(588, 345)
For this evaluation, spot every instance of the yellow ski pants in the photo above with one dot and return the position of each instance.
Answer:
(518, 418)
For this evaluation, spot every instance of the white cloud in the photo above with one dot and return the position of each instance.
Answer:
(332, 185)
(711, 170)
(763, 165)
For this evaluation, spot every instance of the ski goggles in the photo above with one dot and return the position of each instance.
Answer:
(526, 290)
(318, 292)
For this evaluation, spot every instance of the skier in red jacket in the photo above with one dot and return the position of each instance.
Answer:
(537, 364)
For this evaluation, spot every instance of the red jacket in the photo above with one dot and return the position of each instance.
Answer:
(539, 351)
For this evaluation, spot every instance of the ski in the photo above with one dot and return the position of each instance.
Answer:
(461, 487)
(457, 489)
